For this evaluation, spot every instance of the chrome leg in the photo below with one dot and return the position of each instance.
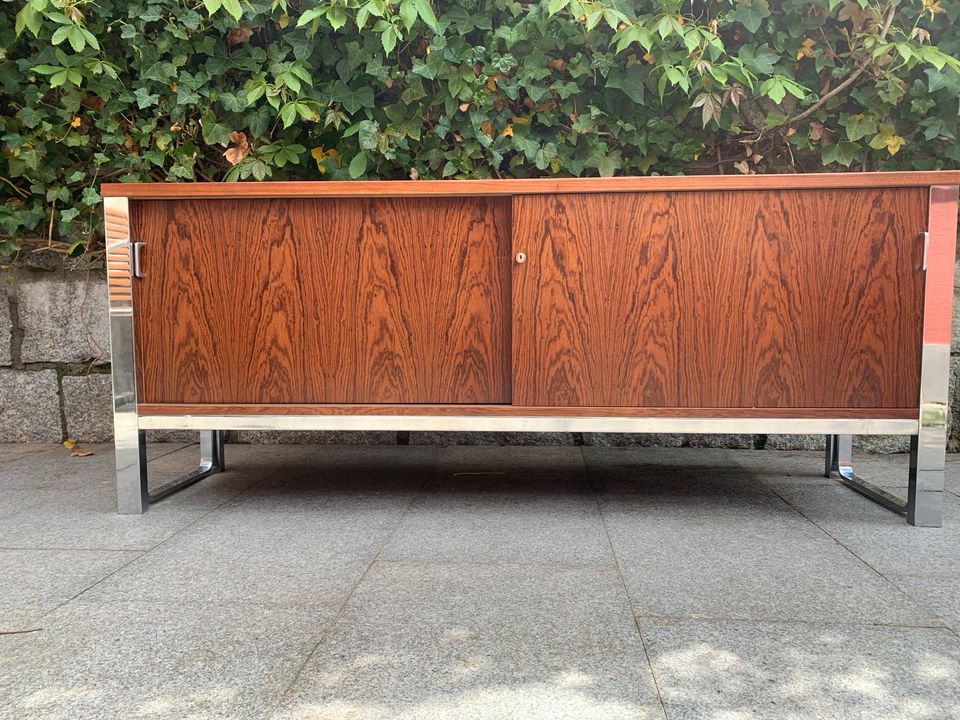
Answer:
(131, 453)
(840, 461)
(211, 461)
(925, 490)
(830, 455)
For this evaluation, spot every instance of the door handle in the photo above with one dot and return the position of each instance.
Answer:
(135, 250)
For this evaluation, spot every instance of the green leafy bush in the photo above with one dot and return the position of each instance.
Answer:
(167, 90)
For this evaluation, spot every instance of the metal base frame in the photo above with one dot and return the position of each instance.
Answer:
(924, 503)
(133, 494)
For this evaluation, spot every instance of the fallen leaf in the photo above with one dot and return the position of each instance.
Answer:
(69, 444)
(81, 453)
(557, 64)
(464, 106)
(414, 175)
(742, 166)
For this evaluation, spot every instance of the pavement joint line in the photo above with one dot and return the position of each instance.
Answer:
(75, 549)
(839, 542)
(774, 621)
(623, 583)
(152, 548)
(434, 469)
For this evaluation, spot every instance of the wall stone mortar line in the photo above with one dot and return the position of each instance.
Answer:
(16, 329)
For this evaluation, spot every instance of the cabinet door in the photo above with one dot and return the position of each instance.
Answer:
(785, 299)
(359, 300)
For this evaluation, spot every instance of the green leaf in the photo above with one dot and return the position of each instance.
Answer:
(28, 18)
(750, 13)
(408, 13)
(232, 7)
(858, 126)
(842, 152)
(358, 166)
(630, 81)
(426, 14)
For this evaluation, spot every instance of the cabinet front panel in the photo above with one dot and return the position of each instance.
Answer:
(745, 299)
(357, 300)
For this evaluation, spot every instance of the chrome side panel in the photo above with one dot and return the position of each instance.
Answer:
(132, 498)
(925, 494)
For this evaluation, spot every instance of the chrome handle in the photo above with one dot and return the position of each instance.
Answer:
(521, 258)
(135, 249)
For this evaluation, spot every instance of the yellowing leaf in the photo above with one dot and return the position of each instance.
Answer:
(75, 122)
(487, 128)
(321, 155)
(507, 131)
(893, 143)
(69, 444)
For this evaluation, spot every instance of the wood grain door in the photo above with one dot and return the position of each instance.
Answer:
(791, 299)
(359, 300)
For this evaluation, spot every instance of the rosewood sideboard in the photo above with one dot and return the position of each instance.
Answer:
(767, 304)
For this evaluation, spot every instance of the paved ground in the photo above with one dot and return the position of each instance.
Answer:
(474, 582)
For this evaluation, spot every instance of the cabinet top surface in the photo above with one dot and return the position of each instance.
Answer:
(531, 186)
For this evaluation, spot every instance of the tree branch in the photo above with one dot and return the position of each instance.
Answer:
(852, 78)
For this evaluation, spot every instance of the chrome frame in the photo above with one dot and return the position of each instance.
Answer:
(133, 494)
(923, 505)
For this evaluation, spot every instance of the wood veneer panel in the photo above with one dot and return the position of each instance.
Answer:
(746, 299)
(526, 411)
(519, 186)
(360, 300)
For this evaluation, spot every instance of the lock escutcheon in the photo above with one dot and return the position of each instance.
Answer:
(521, 258)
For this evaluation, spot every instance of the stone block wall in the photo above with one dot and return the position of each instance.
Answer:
(55, 380)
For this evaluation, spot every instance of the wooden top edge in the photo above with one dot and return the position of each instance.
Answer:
(514, 186)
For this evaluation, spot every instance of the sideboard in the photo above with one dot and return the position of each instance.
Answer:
(815, 303)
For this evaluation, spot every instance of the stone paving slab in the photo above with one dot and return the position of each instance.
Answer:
(38, 581)
(761, 671)
(748, 565)
(369, 676)
(485, 601)
(155, 660)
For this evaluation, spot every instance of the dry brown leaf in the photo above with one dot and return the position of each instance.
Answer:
(238, 35)
(240, 150)
(81, 453)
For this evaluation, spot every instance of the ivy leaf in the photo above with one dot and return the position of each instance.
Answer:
(145, 98)
(750, 13)
(858, 126)
(842, 152)
(630, 81)
(758, 60)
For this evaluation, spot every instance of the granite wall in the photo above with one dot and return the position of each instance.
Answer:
(55, 379)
